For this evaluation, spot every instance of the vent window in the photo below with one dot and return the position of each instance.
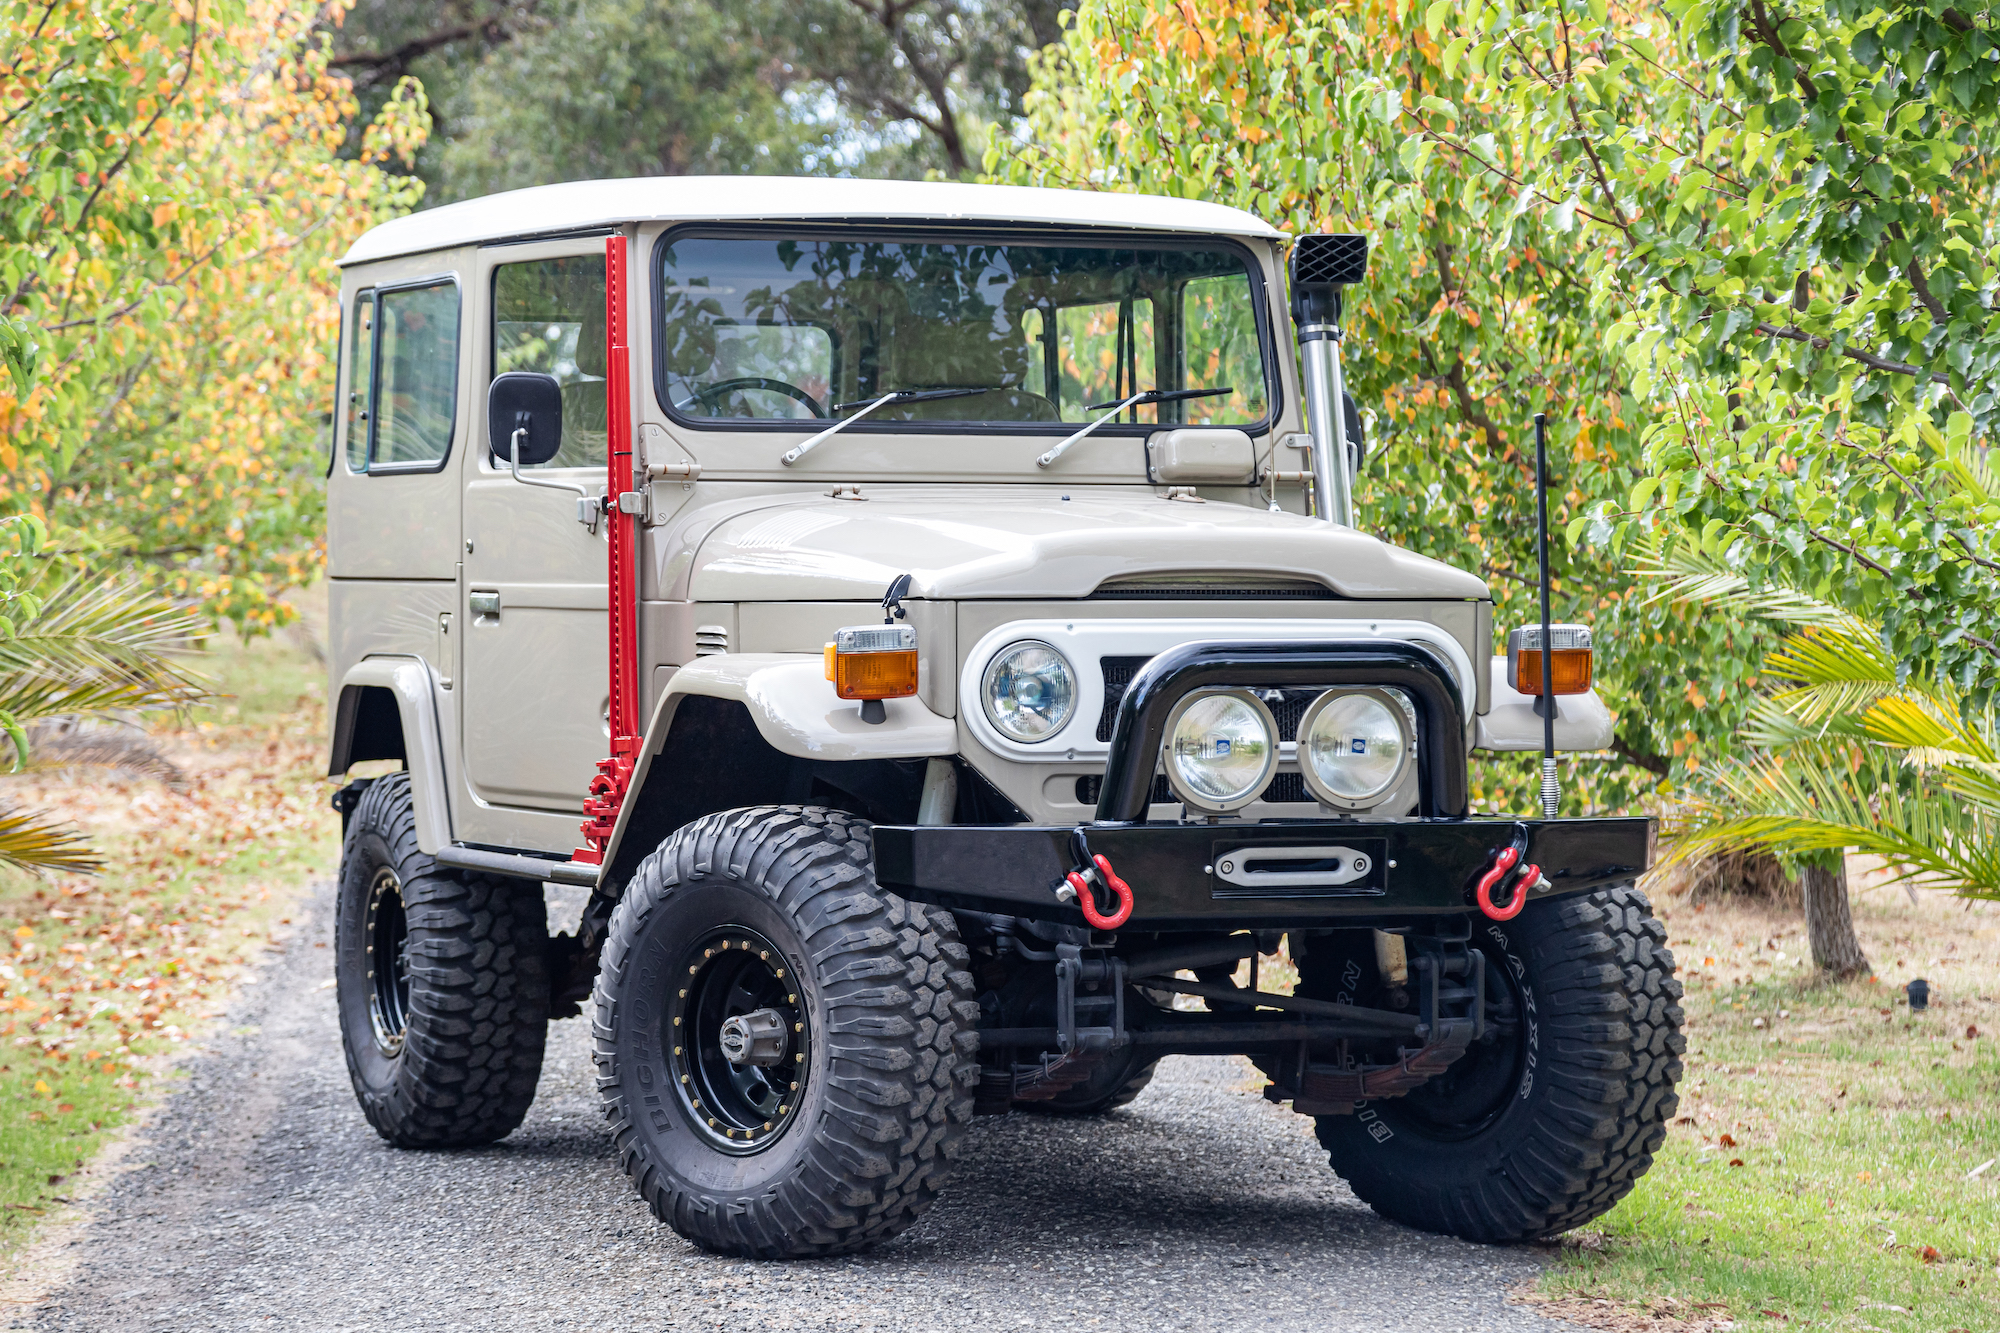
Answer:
(711, 640)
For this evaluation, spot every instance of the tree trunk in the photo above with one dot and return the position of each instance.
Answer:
(1830, 922)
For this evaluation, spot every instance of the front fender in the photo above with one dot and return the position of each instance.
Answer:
(797, 713)
(1582, 720)
(409, 679)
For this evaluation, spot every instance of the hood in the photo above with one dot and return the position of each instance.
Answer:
(958, 544)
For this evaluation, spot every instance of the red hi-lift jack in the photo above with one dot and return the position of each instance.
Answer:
(622, 508)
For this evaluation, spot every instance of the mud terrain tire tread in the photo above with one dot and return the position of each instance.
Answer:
(1608, 1061)
(895, 1019)
(479, 994)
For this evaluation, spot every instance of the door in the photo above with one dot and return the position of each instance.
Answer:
(534, 658)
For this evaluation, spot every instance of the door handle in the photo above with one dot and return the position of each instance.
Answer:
(485, 603)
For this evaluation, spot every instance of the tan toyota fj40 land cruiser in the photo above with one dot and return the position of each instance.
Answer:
(930, 620)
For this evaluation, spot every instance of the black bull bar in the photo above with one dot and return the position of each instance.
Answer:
(1273, 873)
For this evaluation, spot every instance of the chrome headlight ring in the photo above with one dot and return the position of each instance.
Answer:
(1221, 749)
(1028, 690)
(1355, 747)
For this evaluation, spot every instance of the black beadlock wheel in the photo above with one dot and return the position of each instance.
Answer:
(441, 984)
(784, 1050)
(1532, 1135)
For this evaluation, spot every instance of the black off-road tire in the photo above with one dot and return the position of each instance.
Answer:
(1580, 1110)
(1111, 1085)
(884, 1011)
(474, 1013)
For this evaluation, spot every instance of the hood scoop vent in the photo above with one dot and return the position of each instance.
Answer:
(1162, 586)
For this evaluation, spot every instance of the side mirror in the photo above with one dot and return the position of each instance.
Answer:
(524, 405)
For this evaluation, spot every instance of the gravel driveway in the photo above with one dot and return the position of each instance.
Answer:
(259, 1198)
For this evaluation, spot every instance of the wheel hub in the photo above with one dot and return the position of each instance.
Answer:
(756, 1038)
(737, 1039)
(388, 935)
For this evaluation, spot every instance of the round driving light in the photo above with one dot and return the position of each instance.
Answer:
(1354, 747)
(1222, 746)
(1030, 690)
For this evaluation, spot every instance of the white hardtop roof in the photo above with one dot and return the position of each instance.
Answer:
(586, 205)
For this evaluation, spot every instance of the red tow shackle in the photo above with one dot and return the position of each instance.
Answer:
(1498, 874)
(1091, 867)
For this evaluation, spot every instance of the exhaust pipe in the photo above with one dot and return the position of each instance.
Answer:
(1321, 266)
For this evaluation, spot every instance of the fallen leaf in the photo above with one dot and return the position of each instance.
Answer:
(1727, 1140)
(1736, 1161)
(1931, 1255)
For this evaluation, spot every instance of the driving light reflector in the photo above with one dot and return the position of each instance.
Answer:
(1030, 690)
(1354, 746)
(1570, 661)
(873, 662)
(1221, 749)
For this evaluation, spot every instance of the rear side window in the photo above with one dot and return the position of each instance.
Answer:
(548, 316)
(360, 368)
(403, 379)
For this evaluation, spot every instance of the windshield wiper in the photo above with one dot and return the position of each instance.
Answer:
(800, 450)
(1139, 399)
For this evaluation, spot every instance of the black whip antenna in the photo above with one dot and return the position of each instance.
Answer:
(1551, 790)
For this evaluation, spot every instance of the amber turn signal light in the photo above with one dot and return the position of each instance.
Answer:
(1569, 659)
(873, 662)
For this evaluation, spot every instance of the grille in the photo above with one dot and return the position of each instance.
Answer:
(710, 640)
(1284, 787)
(1326, 259)
(1287, 706)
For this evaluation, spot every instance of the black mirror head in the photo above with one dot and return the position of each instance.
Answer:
(526, 401)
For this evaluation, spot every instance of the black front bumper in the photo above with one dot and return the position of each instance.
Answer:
(1414, 867)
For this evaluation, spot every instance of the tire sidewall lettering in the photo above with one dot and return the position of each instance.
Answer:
(1533, 1042)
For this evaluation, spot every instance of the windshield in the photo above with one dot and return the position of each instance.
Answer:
(783, 328)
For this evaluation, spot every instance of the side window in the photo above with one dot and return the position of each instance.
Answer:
(1106, 352)
(548, 316)
(360, 365)
(416, 376)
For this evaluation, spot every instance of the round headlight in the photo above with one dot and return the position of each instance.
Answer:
(1354, 746)
(1030, 690)
(1221, 748)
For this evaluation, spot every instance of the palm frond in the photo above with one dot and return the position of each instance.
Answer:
(1977, 783)
(1920, 722)
(31, 840)
(1687, 575)
(97, 646)
(1833, 797)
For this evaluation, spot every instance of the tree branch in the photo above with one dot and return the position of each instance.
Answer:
(1868, 359)
(1658, 765)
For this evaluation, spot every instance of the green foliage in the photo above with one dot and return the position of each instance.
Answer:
(1845, 751)
(526, 94)
(608, 88)
(171, 200)
(1478, 312)
(1786, 215)
(76, 644)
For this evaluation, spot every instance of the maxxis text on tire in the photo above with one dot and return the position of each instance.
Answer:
(441, 986)
(874, 1086)
(1561, 1132)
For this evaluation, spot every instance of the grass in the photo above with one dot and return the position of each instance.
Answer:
(102, 978)
(1823, 1171)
